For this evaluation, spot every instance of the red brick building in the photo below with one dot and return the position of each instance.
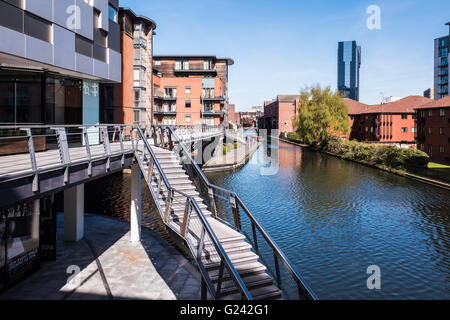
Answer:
(190, 90)
(433, 129)
(355, 108)
(389, 123)
(280, 113)
(132, 101)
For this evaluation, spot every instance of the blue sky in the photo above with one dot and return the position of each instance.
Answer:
(280, 47)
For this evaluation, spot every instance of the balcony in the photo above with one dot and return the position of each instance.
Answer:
(140, 42)
(196, 70)
(165, 111)
(209, 98)
(158, 95)
(211, 112)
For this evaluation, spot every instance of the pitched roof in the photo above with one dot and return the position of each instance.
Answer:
(441, 103)
(405, 105)
(355, 107)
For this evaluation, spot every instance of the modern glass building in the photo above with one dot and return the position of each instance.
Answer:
(441, 56)
(55, 57)
(349, 63)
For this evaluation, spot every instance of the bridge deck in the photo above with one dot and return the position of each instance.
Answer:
(12, 165)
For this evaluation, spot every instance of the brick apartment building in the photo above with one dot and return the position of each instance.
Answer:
(355, 108)
(280, 113)
(190, 90)
(133, 100)
(433, 129)
(389, 123)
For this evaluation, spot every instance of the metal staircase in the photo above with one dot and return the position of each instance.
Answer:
(231, 267)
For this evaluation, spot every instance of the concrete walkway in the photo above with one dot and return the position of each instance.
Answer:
(111, 267)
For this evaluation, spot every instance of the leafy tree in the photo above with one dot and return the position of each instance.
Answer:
(322, 114)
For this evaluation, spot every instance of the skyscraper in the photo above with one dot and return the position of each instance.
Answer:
(441, 56)
(349, 63)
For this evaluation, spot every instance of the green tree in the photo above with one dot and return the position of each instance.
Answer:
(322, 114)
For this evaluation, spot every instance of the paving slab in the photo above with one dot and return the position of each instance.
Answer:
(111, 267)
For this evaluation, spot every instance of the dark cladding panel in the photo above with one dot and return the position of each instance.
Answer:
(114, 36)
(37, 27)
(17, 3)
(11, 17)
(83, 46)
(100, 53)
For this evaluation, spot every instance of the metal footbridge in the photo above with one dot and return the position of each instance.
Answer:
(235, 256)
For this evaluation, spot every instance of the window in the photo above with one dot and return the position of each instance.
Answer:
(188, 90)
(157, 62)
(137, 95)
(430, 113)
(188, 104)
(442, 112)
(170, 92)
(441, 131)
(208, 107)
(207, 65)
(430, 130)
(404, 116)
(413, 130)
(430, 151)
(442, 149)
(113, 14)
(187, 118)
(136, 116)
(404, 130)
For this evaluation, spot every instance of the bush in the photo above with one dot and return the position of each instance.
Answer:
(225, 150)
(387, 155)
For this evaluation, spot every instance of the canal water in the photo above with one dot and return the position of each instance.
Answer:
(333, 219)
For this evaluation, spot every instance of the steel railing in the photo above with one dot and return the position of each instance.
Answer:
(56, 147)
(197, 239)
(227, 207)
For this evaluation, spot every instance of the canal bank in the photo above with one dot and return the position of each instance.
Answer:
(433, 182)
(233, 159)
(105, 265)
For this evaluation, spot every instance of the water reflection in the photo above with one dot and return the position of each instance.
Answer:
(335, 218)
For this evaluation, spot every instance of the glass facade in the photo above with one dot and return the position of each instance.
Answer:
(349, 62)
(37, 98)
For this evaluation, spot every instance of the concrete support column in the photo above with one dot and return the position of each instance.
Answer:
(74, 214)
(135, 212)
(35, 219)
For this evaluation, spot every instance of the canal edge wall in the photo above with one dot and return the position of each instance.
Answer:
(432, 182)
(232, 166)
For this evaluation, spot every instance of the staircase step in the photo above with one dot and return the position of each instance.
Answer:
(251, 282)
(270, 292)
(243, 270)
(237, 259)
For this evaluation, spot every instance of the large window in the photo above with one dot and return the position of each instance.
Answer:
(20, 98)
(113, 14)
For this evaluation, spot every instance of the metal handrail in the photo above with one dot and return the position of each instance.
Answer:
(304, 290)
(220, 250)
